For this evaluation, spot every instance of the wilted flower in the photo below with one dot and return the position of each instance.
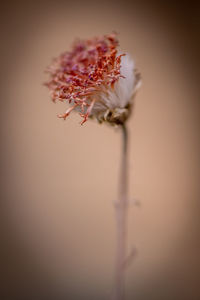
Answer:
(95, 80)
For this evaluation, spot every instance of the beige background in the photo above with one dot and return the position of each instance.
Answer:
(59, 179)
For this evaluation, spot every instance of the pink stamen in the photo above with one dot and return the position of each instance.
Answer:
(68, 111)
(86, 116)
(91, 66)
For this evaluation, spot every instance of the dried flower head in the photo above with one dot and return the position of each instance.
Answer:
(95, 80)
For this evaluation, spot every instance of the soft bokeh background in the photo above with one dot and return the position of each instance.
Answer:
(59, 180)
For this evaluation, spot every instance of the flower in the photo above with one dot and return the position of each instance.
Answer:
(95, 80)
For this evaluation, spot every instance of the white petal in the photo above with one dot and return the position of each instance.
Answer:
(123, 90)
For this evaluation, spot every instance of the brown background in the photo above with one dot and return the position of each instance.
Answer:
(59, 180)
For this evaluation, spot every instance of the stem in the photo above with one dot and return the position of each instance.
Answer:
(121, 208)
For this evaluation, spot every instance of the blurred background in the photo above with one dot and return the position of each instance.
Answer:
(59, 180)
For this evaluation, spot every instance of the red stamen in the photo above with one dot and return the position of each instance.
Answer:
(79, 75)
(86, 116)
(68, 111)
